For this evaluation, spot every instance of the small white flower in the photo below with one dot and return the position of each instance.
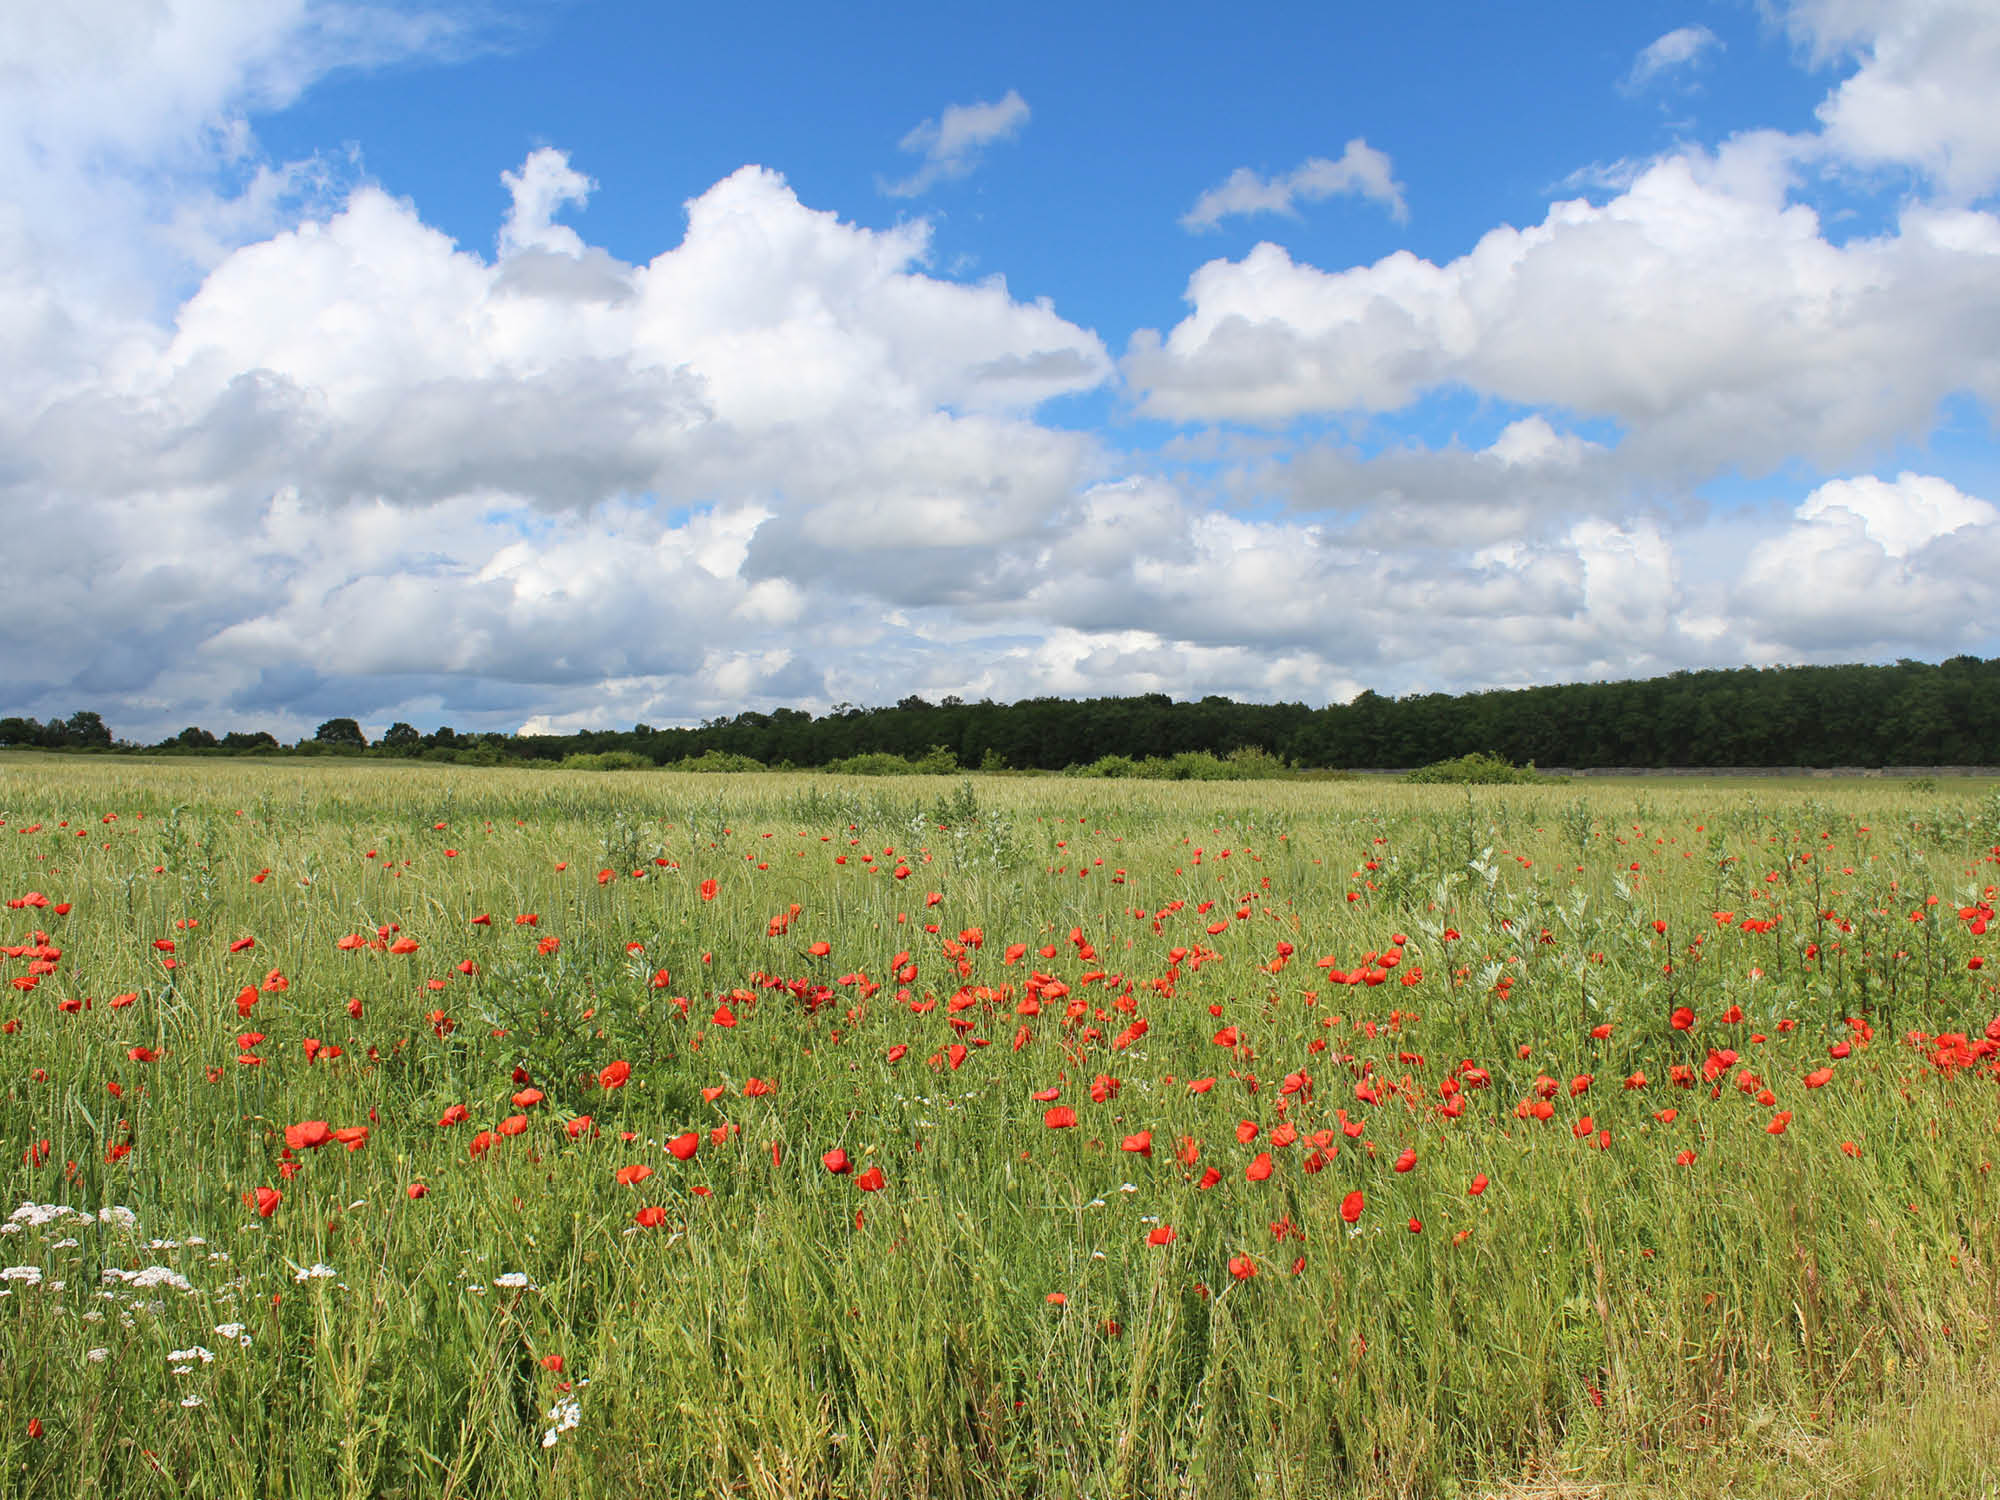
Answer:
(152, 1276)
(190, 1400)
(183, 1356)
(228, 1330)
(514, 1280)
(314, 1272)
(32, 1275)
(566, 1415)
(97, 1356)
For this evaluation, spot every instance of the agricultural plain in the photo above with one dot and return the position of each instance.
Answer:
(400, 1130)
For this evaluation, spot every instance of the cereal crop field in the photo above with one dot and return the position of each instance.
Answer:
(394, 1130)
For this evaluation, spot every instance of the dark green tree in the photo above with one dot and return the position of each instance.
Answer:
(341, 732)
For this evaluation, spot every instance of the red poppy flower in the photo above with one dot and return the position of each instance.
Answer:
(614, 1075)
(1351, 1207)
(871, 1181)
(1242, 1267)
(685, 1145)
(633, 1175)
(1162, 1234)
(309, 1136)
(652, 1216)
(268, 1199)
(708, 889)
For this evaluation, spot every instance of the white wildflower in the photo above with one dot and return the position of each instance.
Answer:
(514, 1281)
(186, 1356)
(314, 1272)
(97, 1356)
(566, 1415)
(32, 1275)
(152, 1276)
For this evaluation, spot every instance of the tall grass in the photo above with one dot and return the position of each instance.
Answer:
(1785, 1313)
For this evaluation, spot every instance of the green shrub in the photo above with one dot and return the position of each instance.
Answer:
(1479, 770)
(607, 760)
(874, 763)
(717, 760)
(1246, 764)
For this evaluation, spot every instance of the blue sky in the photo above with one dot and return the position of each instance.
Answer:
(556, 365)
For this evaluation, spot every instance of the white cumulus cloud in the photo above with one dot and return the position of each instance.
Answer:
(1361, 170)
(1677, 49)
(1921, 95)
(951, 144)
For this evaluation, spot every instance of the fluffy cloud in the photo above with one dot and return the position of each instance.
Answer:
(1677, 49)
(1701, 309)
(1922, 94)
(1361, 170)
(951, 144)
(1868, 566)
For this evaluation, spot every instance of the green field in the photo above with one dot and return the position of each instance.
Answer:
(400, 1130)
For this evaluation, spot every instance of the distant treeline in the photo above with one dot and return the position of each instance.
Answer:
(1912, 713)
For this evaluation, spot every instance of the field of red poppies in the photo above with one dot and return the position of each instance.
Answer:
(412, 1131)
